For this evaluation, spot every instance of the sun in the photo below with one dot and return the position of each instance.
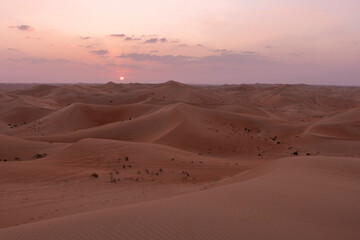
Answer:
(122, 78)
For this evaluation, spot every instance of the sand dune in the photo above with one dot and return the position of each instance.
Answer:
(79, 116)
(177, 161)
(294, 198)
(17, 149)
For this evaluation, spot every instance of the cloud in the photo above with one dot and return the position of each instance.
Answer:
(220, 51)
(127, 66)
(118, 35)
(85, 38)
(23, 27)
(166, 59)
(131, 39)
(155, 40)
(38, 60)
(100, 52)
(12, 49)
(248, 53)
(182, 45)
(244, 58)
(151, 40)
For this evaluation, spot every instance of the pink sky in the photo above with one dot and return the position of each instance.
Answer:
(216, 42)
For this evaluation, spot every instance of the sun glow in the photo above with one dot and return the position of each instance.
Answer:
(122, 78)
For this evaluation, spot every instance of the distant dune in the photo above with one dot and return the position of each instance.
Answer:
(177, 161)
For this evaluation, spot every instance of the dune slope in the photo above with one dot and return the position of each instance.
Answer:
(293, 198)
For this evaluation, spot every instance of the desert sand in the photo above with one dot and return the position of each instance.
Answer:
(177, 161)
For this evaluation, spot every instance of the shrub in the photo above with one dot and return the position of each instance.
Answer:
(94, 175)
(296, 153)
(39, 155)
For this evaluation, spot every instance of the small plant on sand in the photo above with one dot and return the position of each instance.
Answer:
(39, 155)
(186, 173)
(112, 179)
(94, 175)
(296, 153)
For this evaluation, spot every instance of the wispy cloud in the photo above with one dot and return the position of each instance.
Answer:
(85, 38)
(22, 27)
(100, 52)
(131, 39)
(38, 60)
(155, 40)
(121, 35)
(166, 59)
(222, 51)
(225, 58)
(243, 58)
(182, 45)
(127, 66)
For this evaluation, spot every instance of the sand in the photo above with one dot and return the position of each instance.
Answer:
(177, 161)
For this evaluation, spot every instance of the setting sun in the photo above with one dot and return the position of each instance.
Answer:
(122, 78)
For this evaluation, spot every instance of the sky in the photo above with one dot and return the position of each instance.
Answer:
(201, 42)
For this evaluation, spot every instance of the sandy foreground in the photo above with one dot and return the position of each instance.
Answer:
(176, 161)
